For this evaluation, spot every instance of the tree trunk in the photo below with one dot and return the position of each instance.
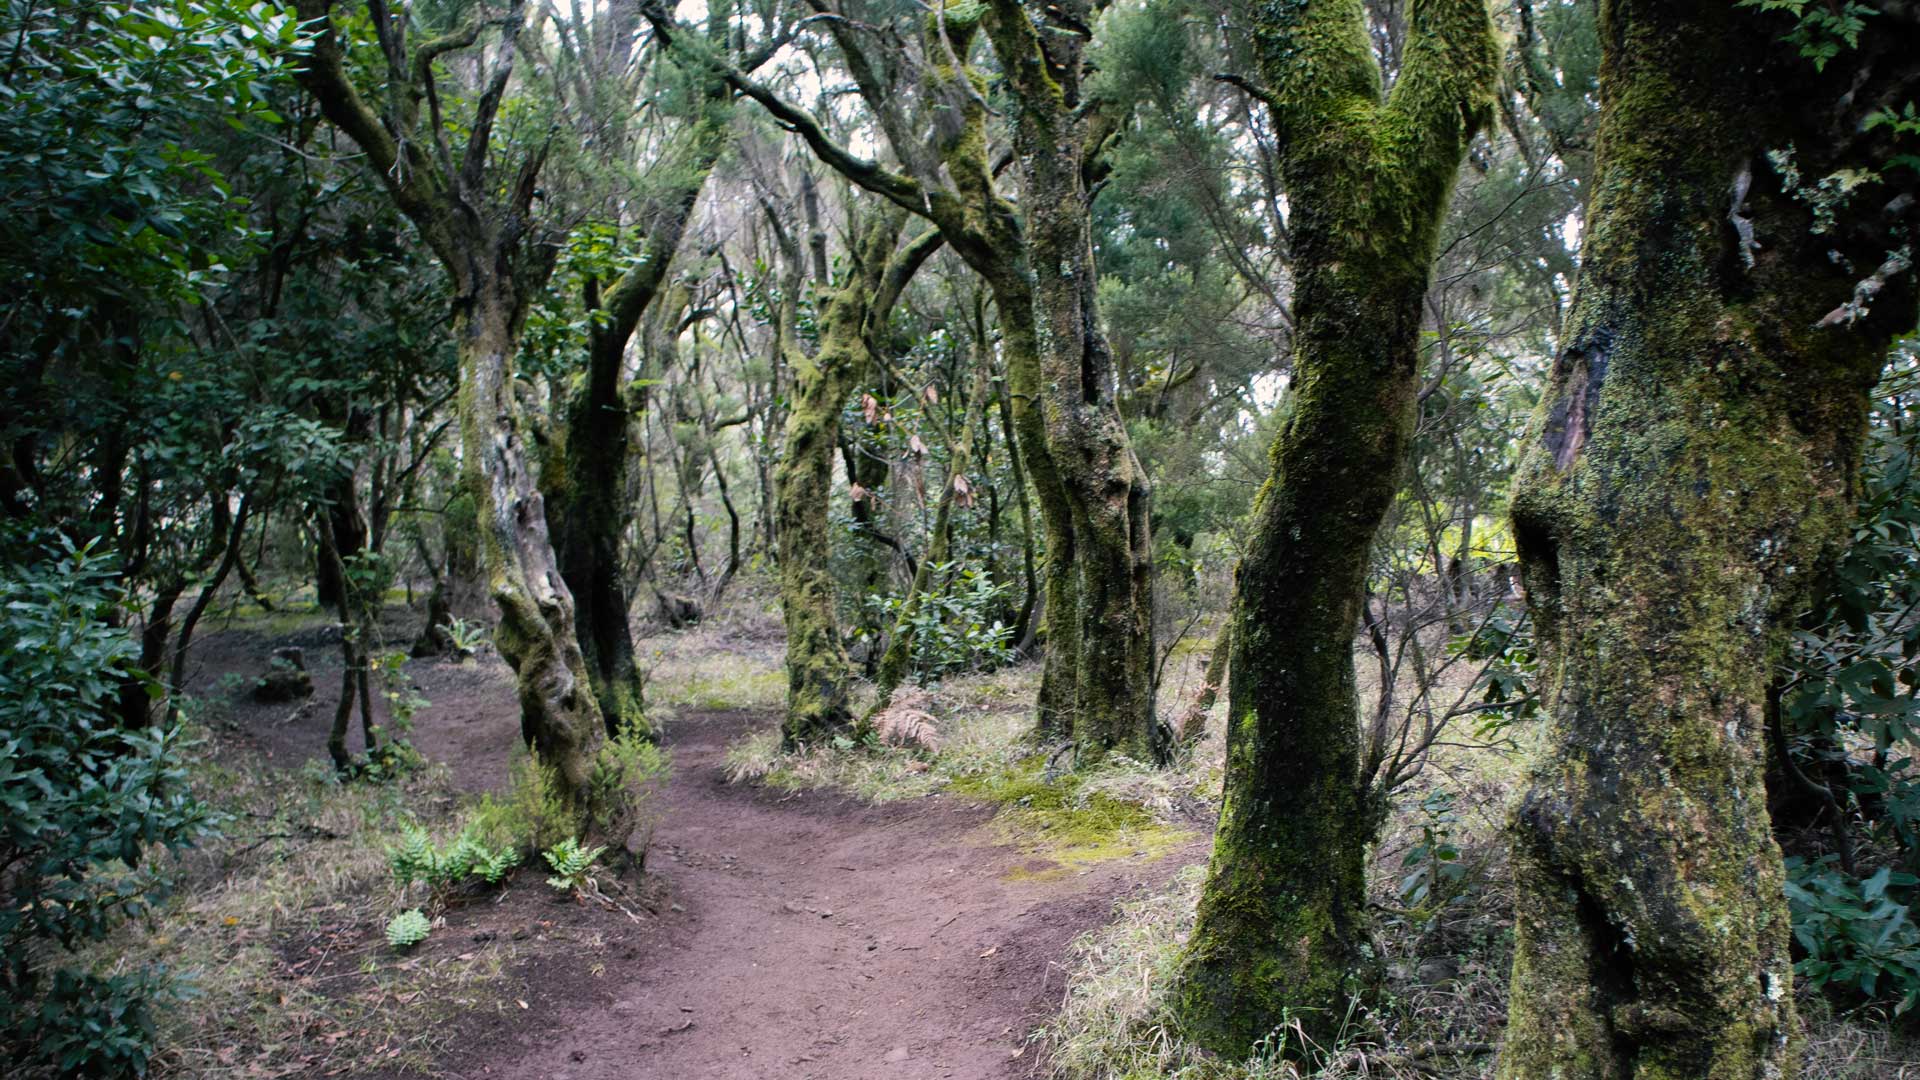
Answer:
(1096, 685)
(1691, 470)
(1105, 577)
(559, 715)
(1282, 933)
(817, 666)
(586, 480)
(478, 221)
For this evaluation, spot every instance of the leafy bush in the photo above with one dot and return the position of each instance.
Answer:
(467, 638)
(1855, 934)
(1434, 876)
(953, 629)
(85, 801)
(407, 929)
(572, 865)
(532, 816)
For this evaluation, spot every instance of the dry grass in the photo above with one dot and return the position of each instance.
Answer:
(276, 928)
(730, 660)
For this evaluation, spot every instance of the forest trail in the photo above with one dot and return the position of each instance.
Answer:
(812, 936)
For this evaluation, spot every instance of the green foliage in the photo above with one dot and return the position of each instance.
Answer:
(1433, 874)
(1904, 123)
(1852, 675)
(443, 868)
(1856, 936)
(467, 637)
(1822, 28)
(572, 865)
(85, 802)
(531, 816)
(624, 784)
(1504, 644)
(953, 626)
(407, 929)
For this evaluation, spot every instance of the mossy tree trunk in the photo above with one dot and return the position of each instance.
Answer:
(854, 316)
(584, 473)
(1104, 578)
(1281, 933)
(1690, 472)
(477, 222)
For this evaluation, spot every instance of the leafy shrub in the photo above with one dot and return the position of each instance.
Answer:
(407, 929)
(84, 802)
(1504, 644)
(1434, 876)
(467, 638)
(1855, 934)
(953, 629)
(572, 865)
(532, 816)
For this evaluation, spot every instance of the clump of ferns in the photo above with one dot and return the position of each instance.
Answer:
(445, 869)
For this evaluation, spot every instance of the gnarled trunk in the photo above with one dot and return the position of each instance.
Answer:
(1691, 469)
(1282, 932)
(559, 716)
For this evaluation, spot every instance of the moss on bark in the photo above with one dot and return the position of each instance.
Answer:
(1689, 472)
(817, 666)
(1281, 931)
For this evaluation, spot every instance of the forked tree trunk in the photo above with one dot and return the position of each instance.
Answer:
(818, 670)
(1689, 473)
(1282, 932)
(1102, 584)
(478, 223)
(585, 473)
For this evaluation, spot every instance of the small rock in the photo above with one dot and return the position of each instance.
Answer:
(286, 678)
(897, 1054)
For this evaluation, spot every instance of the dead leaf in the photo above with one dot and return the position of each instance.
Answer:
(914, 444)
(990, 952)
(932, 394)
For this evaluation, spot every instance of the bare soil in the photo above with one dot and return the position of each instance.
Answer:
(778, 934)
(816, 937)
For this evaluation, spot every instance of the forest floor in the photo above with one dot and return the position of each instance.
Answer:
(776, 932)
(888, 912)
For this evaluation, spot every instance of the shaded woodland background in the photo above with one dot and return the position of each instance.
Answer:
(589, 369)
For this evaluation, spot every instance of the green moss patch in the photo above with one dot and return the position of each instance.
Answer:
(1064, 828)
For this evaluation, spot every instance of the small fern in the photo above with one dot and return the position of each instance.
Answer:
(417, 858)
(572, 865)
(407, 929)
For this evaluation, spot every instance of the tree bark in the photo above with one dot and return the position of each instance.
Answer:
(1281, 934)
(495, 266)
(818, 670)
(1689, 473)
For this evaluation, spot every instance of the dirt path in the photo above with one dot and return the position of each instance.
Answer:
(814, 937)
